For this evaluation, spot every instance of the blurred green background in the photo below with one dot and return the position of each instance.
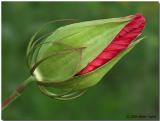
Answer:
(130, 88)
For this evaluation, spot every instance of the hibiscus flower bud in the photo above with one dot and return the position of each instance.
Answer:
(77, 56)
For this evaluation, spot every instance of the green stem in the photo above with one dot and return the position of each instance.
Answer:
(17, 92)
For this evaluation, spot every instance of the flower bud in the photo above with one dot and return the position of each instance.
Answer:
(77, 56)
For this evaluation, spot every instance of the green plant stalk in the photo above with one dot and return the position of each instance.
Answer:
(17, 92)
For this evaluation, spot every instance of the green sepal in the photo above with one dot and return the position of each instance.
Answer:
(87, 80)
(36, 43)
(65, 95)
(90, 79)
(51, 67)
(93, 35)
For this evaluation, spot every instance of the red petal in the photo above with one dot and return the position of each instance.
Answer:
(119, 43)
